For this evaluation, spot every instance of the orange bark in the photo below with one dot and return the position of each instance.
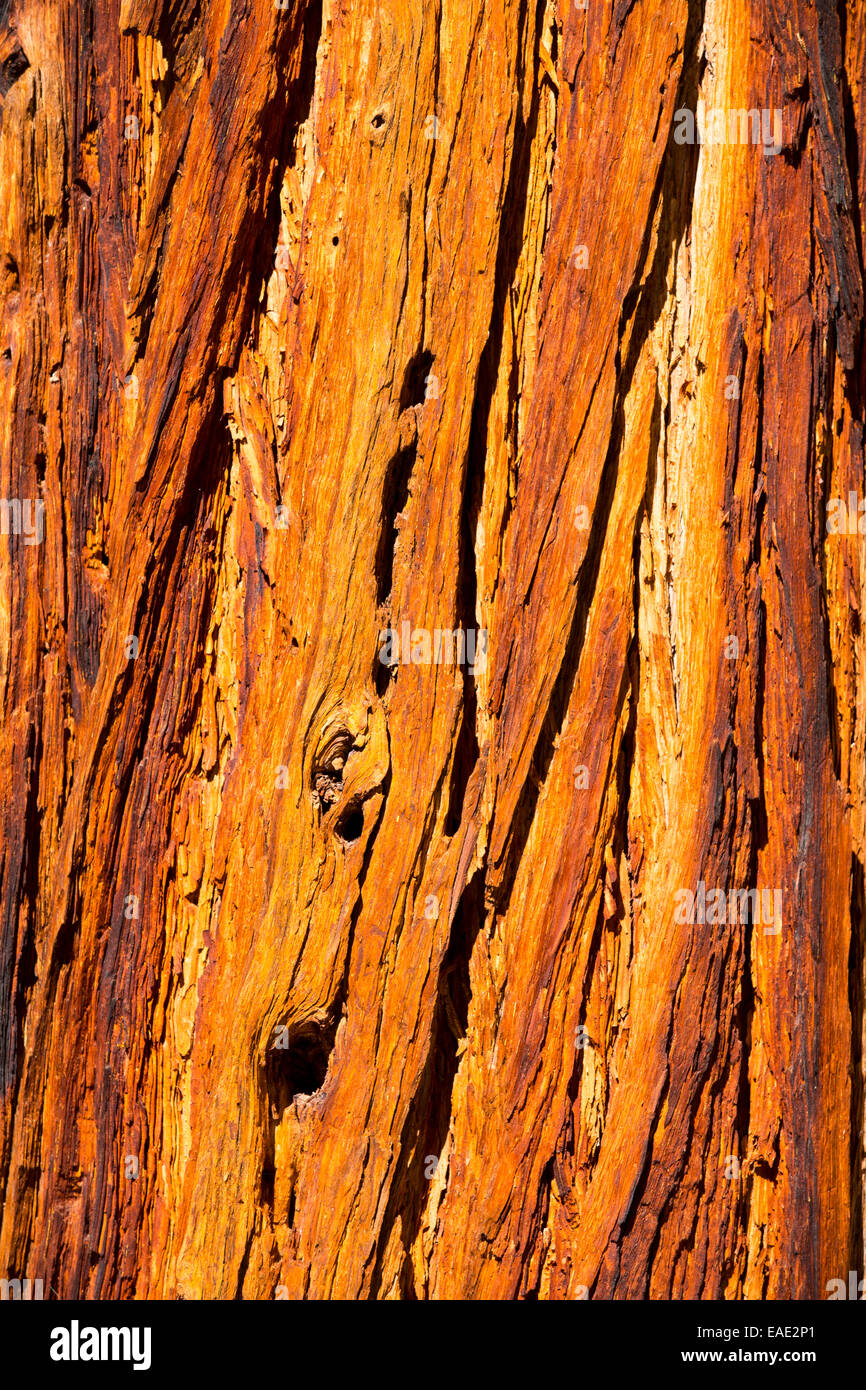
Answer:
(329, 325)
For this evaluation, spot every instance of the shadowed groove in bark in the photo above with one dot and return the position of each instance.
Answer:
(629, 690)
(298, 1070)
(13, 61)
(395, 495)
(852, 148)
(508, 252)
(427, 1122)
(857, 955)
(20, 885)
(824, 482)
(529, 1286)
(744, 1015)
(414, 388)
(743, 1116)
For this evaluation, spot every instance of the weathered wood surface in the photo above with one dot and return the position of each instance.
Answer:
(324, 979)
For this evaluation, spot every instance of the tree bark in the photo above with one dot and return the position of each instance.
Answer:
(330, 331)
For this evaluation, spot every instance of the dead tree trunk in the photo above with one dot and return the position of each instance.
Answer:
(432, 671)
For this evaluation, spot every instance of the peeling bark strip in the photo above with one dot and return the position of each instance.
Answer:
(330, 972)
